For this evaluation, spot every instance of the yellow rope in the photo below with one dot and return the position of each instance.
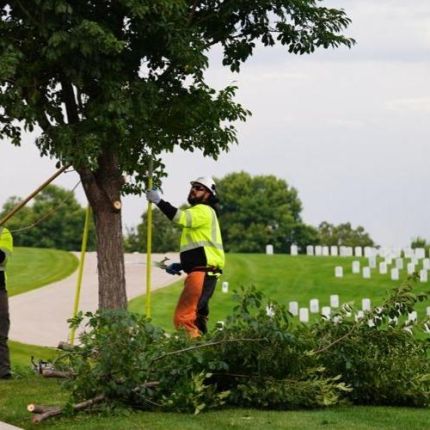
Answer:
(81, 269)
(149, 247)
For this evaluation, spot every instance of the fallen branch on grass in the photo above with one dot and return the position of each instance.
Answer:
(42, 413)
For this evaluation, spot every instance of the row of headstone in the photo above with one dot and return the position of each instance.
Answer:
(383, 269)
(358, 251)
(314, 308)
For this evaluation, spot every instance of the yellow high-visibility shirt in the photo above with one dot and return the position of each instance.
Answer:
(6, 245)
(200, 228)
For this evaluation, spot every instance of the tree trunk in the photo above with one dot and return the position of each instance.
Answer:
(103, 188)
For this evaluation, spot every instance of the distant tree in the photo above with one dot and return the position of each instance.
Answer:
(419, 242)
(165, 235)
(343, 234)
(259, 210)
(54, 220)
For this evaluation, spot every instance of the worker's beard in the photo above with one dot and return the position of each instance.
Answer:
(195, 200)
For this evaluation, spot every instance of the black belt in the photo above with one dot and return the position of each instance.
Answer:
(206, 269)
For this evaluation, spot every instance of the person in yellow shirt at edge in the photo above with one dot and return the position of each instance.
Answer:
(201, 252)
(6, 249)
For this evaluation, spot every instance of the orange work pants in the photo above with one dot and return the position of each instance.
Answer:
(192, 309)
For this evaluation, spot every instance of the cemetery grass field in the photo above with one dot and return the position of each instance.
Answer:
(31, 268)
(281, 277)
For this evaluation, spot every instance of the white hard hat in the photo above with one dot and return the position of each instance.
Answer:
(207, 182)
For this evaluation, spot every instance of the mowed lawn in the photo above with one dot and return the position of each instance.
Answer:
(281, 277)
(31, 268)
(284, 278)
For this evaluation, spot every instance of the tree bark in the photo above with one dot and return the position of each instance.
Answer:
(103, 188)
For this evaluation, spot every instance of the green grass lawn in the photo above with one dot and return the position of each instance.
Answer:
(16, 394)
(283, 278)
(31, 268)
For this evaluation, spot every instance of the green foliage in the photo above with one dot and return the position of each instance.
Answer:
(260, 210)
(386, 364)
(54, 220)
(165, 234)
(343, 234)
(260, 358)
(116, 79)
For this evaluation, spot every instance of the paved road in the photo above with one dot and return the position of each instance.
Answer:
(39, 317)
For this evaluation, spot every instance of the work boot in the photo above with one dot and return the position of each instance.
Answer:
(6, 376)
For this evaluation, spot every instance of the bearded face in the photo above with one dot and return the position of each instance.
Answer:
(198, 194)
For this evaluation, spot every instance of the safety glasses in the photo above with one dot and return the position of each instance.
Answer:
(198, 187)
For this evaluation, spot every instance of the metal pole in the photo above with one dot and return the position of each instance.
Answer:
(81, 269)
(149, 246)
(25, 201)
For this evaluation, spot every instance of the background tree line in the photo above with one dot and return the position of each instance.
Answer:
(55, 219)
(255, 211)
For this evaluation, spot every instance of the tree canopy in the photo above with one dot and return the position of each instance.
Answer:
(343, 234)
(259, 210)
(112, 84)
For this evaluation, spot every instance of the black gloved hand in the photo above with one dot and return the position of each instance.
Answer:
(174, 269)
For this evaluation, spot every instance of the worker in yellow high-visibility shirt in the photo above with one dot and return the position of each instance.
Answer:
(6, 249)
(201, 252)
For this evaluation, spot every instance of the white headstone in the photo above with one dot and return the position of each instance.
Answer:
(326, 311)
(359, 315)
(310, 250)
(325, 251)
(408, 252)
(318, 250)
(219, 325)
(412, 316)
(334, 251)
(369, 251)
(314, 306)
(334, 301)
(388, 260)
(366, 272)
(269, 249)
(342, 251)
(349, 252)
(393, 321)
(383, 268)
(293, 308)
(426, 264)
(394, 274)
(420, 253)
(414, 260)
(337, 319)
(224, 287)
(338, 272)
(294, 250)
(365, 304)
(358, 251)
(270, 311)
(423, 275)
(399, 263)
(304, 315)
(356, 266)
(410, 268)
(372, 261)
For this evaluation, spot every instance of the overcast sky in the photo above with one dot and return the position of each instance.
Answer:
(349, 129)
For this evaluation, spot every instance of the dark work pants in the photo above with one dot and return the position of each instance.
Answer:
(4, 333)
(192, 309)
